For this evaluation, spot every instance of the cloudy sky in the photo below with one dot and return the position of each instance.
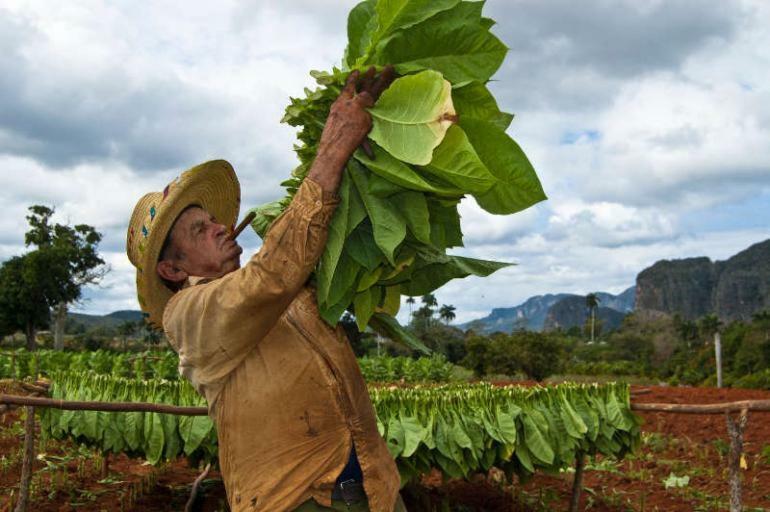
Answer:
(648, 123)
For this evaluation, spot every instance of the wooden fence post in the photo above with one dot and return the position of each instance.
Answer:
(577, 482)
(27, 461)
(718, 351)
(194, 492)
(735, 430)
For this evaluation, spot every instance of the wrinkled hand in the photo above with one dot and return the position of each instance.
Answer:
(348, 121)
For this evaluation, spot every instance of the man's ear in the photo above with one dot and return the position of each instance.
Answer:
(168, 271)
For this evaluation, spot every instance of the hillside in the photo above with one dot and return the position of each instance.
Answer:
(572, 312)
(532, 313)
(109, 321)
(733, 289)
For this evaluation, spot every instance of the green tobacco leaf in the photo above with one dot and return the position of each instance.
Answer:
(387, 326)
(401, 174)
(361, 22)
(445, 228)
(388, 224)
(172, 446)
(395, 437)
(356, 208)
(392, 300)
(516, 184)
(334, 242)
(153, 435)
(345, 277)
(414, 208)
(463, 13)
(266, 214)
(455, 160)
(615, 414)
(362, 247)
(506, 426)
(572, 420)
(474, 101)
(398, 14)
(193, 430)
(525, 457)
(536, 442)
(434, 275)
(134, 429)
(462, 54)
(363, 305)
(382, 187)
(413, 435)
(369, 279)
(412, 116)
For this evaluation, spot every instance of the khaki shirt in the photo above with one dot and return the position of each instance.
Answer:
(283, 387)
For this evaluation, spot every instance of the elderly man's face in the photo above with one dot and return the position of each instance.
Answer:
(199, 246)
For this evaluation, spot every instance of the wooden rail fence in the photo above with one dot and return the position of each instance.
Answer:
(735, 428)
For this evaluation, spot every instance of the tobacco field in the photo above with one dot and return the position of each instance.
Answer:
(421, 426)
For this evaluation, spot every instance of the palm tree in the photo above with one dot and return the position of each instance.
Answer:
(447, 313)
(709, 325)
(410, 301)
(429, 300)
(592, 302)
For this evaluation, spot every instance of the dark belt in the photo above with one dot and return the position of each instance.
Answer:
(349, 491)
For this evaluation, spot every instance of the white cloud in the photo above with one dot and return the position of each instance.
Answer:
(635, 115)
(607, 224)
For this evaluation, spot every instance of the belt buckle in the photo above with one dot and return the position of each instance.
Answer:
(351, 491)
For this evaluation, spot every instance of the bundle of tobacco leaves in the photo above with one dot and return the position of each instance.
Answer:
(438, 136)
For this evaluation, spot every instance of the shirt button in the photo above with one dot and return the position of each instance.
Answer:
(318, 203)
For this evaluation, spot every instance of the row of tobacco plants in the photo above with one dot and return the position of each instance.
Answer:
(21, 363)
(460, 428)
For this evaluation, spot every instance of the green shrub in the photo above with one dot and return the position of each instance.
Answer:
(759, 380)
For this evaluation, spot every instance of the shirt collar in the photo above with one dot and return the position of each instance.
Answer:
(196, 280)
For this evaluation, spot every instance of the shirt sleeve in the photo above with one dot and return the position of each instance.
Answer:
(214, 325)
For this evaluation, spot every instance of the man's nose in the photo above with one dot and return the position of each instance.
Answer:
(219, 230)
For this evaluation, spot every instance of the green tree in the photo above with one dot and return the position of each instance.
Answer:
(29, 286)
(539, 354)
(429, 300)
(476, 354)
(687, 330)
(73, 251)
(125, 330)
(592, 302)
(422, 318)
(761, 320)
(447, 313)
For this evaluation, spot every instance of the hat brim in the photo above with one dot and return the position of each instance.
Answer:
(214, 187)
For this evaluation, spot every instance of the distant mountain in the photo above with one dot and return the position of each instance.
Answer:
(528, 315)
(532, 313)
(623, 302)
(733, 289)
(572, 312)
(110, 320)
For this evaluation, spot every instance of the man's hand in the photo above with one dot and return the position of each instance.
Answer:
(347, 124)
(348, 121)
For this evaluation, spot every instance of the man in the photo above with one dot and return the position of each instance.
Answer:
(297, 430)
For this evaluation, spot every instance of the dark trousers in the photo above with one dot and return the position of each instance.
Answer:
(312, 506)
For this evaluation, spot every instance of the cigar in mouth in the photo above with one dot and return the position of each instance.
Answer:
(245, 222)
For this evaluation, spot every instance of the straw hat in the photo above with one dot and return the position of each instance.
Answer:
(214, 187)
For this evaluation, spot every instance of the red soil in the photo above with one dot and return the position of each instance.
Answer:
(685, 444)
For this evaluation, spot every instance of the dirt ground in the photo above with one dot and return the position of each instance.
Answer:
(694, 447)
